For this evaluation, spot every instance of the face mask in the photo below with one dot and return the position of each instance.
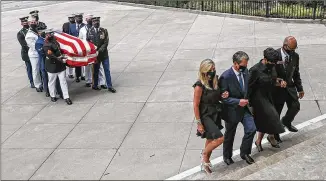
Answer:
(26, 26)
(211, 75)
(89, 22)
(71, 20)
(33, 26)
(270, 66)
(242, 68)
(79, 21)
(96, 25)
(50, 38)
(36, 18)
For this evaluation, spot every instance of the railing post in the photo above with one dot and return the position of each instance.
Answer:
(314, 11)
(232, 10)
(267, 9)
(202, 5)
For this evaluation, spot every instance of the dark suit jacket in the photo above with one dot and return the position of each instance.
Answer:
(228, 81)
(291, 75)
(21, 38)
(100, 40)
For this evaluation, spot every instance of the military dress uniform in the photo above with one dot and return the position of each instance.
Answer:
(31, 38)
(88, 69)
(55, 67)
(100, 38)
(24, 50)
(40, 25)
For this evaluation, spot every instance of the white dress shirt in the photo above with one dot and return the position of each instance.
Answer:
(237, 74)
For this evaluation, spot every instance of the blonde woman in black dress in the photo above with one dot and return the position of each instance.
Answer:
(207, 108)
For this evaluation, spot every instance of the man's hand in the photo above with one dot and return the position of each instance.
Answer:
(225, 94)
(200, 128)
(283, 84)
(243, 102)
(301, 94)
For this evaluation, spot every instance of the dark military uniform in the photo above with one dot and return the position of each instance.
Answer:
(100, 38)
(55, 68)
(24, 51)
(52, 63)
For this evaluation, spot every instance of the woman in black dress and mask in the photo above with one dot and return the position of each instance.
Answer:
(262, 79)
(207, 108)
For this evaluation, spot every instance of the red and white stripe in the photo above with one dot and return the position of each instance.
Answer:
(78, 52)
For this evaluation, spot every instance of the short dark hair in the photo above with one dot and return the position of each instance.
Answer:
(239, 56)
(271, 55)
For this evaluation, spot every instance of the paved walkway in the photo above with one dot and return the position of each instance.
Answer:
(146, 130)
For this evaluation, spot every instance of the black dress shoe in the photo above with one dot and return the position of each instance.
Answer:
(248, 159)
(82, 78)
(77, 80)
(275, 146)
(38, 90)
(111, 89)
(291, 128)
(71, 76)
(47, 94)
(104, 87)
(88, 85)
(259, 147)
(228, 161)
(96, 88)
(32, 85)
(278, 138)
(53, 99)
(68, 101)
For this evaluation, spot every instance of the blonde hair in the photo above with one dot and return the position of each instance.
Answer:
(205, 66)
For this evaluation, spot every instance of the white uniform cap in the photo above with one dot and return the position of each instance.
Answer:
(89, 16)
(31, 18)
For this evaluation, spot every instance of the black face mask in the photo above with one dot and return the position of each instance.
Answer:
(269, 66)
(96, 25)
(79, 21)
(33, 26)
(89, 22)
(26, 26)
(211, 75)
(50, 38)
(242, 68)
(71, 20)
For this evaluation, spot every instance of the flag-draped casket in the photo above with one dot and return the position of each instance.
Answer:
(77, 51)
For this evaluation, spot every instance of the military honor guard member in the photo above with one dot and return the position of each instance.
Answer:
(100, 38)
(66, 28)
(31, 38)
(88, 69)
(24, 48)
(39, 25)
(55, 66)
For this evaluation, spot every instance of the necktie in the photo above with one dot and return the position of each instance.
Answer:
(286, 62)
(240, 81)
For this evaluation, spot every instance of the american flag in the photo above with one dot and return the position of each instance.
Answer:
(77, 51)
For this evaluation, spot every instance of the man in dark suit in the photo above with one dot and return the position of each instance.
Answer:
(24, 48)
(235, 108)
(288, 70)
(100, 38)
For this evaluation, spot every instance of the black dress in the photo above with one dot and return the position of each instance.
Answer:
(210, 112)
(261, 84)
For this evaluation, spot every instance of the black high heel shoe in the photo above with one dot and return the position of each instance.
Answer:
(259, 147)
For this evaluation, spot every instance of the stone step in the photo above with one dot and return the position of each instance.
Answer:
(308, 163)
(291, 153)
(240, 169)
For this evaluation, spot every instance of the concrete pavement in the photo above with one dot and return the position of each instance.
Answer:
(146, 129)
